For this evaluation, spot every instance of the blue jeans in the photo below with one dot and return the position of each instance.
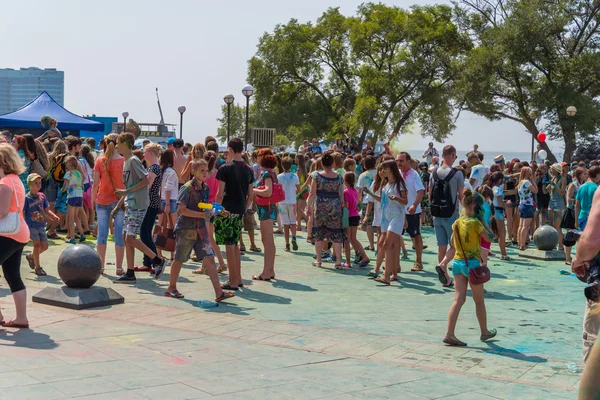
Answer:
(103, 214)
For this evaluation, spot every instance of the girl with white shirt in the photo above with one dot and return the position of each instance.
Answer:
(169, 190)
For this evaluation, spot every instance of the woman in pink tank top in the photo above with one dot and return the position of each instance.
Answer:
(12, 200)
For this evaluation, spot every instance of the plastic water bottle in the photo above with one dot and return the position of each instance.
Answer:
(572, 368)
(207, 304)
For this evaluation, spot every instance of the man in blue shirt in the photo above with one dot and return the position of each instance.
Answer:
(585, 195)
(315, 148)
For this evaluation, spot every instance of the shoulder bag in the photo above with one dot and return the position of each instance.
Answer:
(479, 275)
(11, 224)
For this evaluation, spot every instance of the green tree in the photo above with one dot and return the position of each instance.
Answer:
(532, 60)
(381, 70)
(237, 123)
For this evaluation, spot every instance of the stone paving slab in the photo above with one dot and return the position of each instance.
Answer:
(314, 333)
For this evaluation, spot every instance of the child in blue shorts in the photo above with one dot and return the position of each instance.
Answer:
(36, 210)
(468, 231)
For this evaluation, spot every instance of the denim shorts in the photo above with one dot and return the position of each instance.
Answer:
(38, 234)
(172, 205)
(499, 214)
(443, 229)
(526, 211)
(103, 215)
(460, 266)
(75, 202)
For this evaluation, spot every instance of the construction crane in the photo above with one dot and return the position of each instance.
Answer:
(162, 119)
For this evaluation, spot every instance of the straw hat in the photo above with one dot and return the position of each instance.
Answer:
(499, 159)
(557, 168)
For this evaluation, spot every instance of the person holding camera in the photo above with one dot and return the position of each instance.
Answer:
(588, 248)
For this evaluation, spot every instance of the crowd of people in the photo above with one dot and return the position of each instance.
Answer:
(208, 197)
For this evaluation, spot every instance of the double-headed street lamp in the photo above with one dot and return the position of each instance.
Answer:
(125, 115)
(228, 99)
(247, 91)
(181, 110)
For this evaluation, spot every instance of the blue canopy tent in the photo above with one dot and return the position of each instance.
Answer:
(28, 117)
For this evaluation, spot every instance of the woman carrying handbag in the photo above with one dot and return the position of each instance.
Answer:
(467, 269)
(14, 233)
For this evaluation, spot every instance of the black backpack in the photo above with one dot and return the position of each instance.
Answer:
(443, 205)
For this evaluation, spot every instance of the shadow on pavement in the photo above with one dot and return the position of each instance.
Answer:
(281, 284)
(226, 307)
(27, 338)
(493, 348)
(501, 296)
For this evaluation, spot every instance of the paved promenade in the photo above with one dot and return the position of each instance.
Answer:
(314, 333)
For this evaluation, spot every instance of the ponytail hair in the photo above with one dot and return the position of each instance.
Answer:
(211, 158)
(109, 148)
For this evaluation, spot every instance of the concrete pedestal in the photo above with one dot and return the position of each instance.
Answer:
(78, 299)
(548, 255)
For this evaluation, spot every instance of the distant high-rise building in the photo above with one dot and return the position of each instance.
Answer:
(19, 87)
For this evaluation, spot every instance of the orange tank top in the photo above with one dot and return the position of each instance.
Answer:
(15, 185)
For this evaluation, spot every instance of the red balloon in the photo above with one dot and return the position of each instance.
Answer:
(541, 137)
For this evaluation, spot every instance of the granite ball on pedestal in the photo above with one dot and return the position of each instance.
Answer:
(79, 266)
(546, 238)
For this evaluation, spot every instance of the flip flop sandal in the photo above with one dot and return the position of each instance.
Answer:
(242, 248)
(373, 274)
(393, 279)
(29, 258)
(40, 272)
(417, 268)
(453, 342)
(224, 296)
(381, 280)
(441, 275)
(317, 264)
(450, 285)
(53, 236)
(174, 294)
(11, 324)
(364, 263)
(222, 268)
(120, 271)
(227, 286)
(199, 271)
(491, 333)
(260, 278)
(255, 249)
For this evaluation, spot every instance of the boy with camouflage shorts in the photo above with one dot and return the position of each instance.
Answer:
(191, 232)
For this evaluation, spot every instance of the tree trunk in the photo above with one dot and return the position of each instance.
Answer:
(534, 132)
(362, 137)
(569, 144)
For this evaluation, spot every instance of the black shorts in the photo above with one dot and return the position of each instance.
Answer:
(354, 221)
(413, 224)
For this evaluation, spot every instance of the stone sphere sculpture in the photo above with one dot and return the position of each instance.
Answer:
(79, 266)
(546, 238)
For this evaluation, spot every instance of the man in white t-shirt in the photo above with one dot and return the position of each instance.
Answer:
(287, 208)
(478, 170)
(414, 192)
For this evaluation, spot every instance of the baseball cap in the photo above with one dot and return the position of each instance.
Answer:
(563, 164)
(178, 143)
(171, 141)
(32, 178)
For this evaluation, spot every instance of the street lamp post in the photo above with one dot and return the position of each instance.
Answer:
(125, 115)
(571, 112)
(247, 91)
(181, 110)
(228, 99)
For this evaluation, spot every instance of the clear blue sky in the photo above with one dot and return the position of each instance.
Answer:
(115, 53)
